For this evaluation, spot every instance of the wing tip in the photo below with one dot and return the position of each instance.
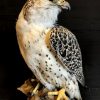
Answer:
(82, 81)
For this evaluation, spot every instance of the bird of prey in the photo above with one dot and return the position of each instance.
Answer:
(51, 51)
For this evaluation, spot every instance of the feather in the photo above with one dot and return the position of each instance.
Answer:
(66, 46)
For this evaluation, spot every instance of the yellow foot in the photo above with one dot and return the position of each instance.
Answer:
(35, 90)
(61, 94)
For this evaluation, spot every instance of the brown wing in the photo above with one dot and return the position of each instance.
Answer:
(65, 44)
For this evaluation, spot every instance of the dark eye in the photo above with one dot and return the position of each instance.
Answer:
(50, 0)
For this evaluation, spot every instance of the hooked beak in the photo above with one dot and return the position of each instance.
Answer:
(66, 5)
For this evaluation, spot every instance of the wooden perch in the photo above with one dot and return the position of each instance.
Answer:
(27, 88)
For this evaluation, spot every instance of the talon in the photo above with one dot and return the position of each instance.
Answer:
(35, 90)
(61, 94)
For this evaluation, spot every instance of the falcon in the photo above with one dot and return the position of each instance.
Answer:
(51, 51)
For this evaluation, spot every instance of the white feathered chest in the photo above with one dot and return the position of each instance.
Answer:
(32, 28)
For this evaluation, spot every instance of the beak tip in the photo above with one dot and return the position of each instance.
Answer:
(67, 6)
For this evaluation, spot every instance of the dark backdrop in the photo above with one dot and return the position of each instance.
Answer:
(83, 20)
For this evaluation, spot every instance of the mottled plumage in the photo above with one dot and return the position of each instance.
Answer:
(51, 52)
(68, 51)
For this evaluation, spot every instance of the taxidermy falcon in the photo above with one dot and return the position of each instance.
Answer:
(51, 51)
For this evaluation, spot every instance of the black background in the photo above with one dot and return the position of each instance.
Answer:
(83, 20)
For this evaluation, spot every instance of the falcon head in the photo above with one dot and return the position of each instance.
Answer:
(62, 3)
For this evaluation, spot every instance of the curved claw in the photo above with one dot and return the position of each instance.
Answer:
(61, 94)
(35, 90)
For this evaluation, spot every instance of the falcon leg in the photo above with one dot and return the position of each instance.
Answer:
(35, 90)
(61, 94)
